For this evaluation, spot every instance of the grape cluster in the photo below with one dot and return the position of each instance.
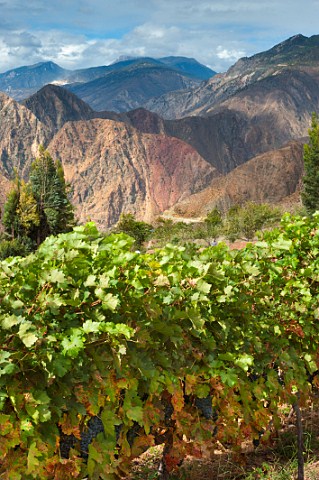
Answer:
(66, 443)
(205, 407)
(94, 427)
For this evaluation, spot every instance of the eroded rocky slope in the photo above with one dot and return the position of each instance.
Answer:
(114, 168)
(272, 177)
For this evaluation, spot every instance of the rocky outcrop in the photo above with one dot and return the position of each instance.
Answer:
(21, 133)
(114, 168)
(262, 117)
(271, 177)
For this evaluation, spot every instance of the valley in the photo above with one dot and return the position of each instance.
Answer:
(213, 140)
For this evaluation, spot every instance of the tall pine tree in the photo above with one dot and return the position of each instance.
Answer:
(41, 207)
(56, 214)
(310, 192)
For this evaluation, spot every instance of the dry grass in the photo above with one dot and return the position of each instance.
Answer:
(268, 462)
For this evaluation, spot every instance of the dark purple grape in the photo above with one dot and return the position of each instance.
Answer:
(66, 443)
(94, 427)
(205, 407)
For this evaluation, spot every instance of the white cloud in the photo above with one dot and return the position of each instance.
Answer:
(78, 33)
(225, 54)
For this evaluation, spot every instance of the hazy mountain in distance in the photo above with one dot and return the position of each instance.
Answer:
(19, 83)
(23, 81)
(189, 66)
(132, 86)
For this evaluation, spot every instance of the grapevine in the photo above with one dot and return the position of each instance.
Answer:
(105, 351)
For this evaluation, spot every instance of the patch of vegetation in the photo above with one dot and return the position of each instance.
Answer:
(240, 222)
(140, 231)
(309, 194)
(245, 220)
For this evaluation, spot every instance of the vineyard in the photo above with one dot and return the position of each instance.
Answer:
(106, 351)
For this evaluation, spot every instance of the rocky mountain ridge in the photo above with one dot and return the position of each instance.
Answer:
(296, 54)
(273, 177)
(233, 147)
(114, 168)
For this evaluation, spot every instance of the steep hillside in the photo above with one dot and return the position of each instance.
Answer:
(271, 177)
(219, 138)
(296, 53)
(114, 168)
(256, 121)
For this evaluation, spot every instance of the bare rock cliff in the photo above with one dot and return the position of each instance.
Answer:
(114, 168)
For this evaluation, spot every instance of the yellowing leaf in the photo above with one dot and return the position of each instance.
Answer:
(27, 334)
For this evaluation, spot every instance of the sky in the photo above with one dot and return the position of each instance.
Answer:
(80, 34)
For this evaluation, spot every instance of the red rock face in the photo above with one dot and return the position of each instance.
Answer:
(114, 168)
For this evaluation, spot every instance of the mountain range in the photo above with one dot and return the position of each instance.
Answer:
(229, 138)
(113, 87)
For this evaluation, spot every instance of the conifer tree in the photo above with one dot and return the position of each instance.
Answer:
(310, 193)
(50, 191)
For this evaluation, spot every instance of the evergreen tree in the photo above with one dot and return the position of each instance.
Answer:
(310, 193)
(50, 191)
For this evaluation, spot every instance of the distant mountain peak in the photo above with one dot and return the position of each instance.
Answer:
(45, 63)
(295, 38)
